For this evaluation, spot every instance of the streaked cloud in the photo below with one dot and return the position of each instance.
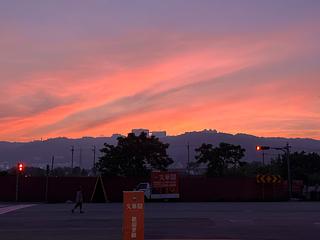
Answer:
(90, 73)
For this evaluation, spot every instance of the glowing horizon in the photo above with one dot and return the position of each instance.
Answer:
(76, 69)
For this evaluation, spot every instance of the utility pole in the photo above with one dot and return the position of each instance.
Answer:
(263, 154)
(17, 185)
(94, 159)
(286, 151)
(52, 163)
(47, 182)
(80, 159)
(188, 164)
(287, 148)
(72, 152)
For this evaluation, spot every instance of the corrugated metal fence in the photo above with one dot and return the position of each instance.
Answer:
(192, 188)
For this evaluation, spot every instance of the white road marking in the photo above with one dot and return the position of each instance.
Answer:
(7, 209)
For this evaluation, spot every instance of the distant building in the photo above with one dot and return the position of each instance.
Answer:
(138, 131)
(159, 134)
(4, 166)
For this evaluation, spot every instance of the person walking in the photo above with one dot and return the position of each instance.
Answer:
(79, 200)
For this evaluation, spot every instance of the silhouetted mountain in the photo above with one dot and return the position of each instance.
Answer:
(39, 153)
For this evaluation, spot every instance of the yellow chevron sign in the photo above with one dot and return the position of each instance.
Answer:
(268, 178)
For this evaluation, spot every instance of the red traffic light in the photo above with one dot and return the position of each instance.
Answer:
(20, 167)
(259, 148)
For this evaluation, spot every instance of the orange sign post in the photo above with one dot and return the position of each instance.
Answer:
(133, 215)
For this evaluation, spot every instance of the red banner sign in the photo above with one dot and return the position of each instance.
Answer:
(165, 182)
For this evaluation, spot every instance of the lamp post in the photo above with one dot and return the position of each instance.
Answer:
(94, 160)
(188, 164)
(286, 151)
(72, 153)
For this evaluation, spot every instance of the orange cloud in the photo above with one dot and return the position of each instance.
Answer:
(233, 84)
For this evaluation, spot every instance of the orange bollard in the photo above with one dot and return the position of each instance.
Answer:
(133, 215)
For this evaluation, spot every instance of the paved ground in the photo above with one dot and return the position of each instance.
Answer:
(253, 221)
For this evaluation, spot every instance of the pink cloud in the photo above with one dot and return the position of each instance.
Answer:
(175, 83)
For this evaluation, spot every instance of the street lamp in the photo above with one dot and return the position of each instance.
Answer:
(262, 148)
(259, 148)
(286, 151)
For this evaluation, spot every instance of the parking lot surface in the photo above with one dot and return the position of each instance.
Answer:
(174, 221)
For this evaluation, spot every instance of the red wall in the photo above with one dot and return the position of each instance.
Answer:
(192, 188)
(61, 189)
(114, 186)
(7, 188)
(228, 189)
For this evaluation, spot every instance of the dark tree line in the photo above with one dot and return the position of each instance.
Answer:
(57, 172)
(304, 166)
(139, 155)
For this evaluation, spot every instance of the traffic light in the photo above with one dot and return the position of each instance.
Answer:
(20, 167)
(259, 148)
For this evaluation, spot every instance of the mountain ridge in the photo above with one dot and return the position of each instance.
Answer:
(39, 152)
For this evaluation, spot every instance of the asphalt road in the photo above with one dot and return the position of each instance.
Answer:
(293, 220)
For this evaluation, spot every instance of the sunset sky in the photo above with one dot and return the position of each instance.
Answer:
(90, 68)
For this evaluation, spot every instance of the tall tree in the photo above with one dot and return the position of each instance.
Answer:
(208, 155)
(231, 154)
(220, 158)
(134, 156)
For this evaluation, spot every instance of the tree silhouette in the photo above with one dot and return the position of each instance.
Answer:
(208, 155)
(220, 158)
(231, 154)
(134, 156)
(304, 166)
